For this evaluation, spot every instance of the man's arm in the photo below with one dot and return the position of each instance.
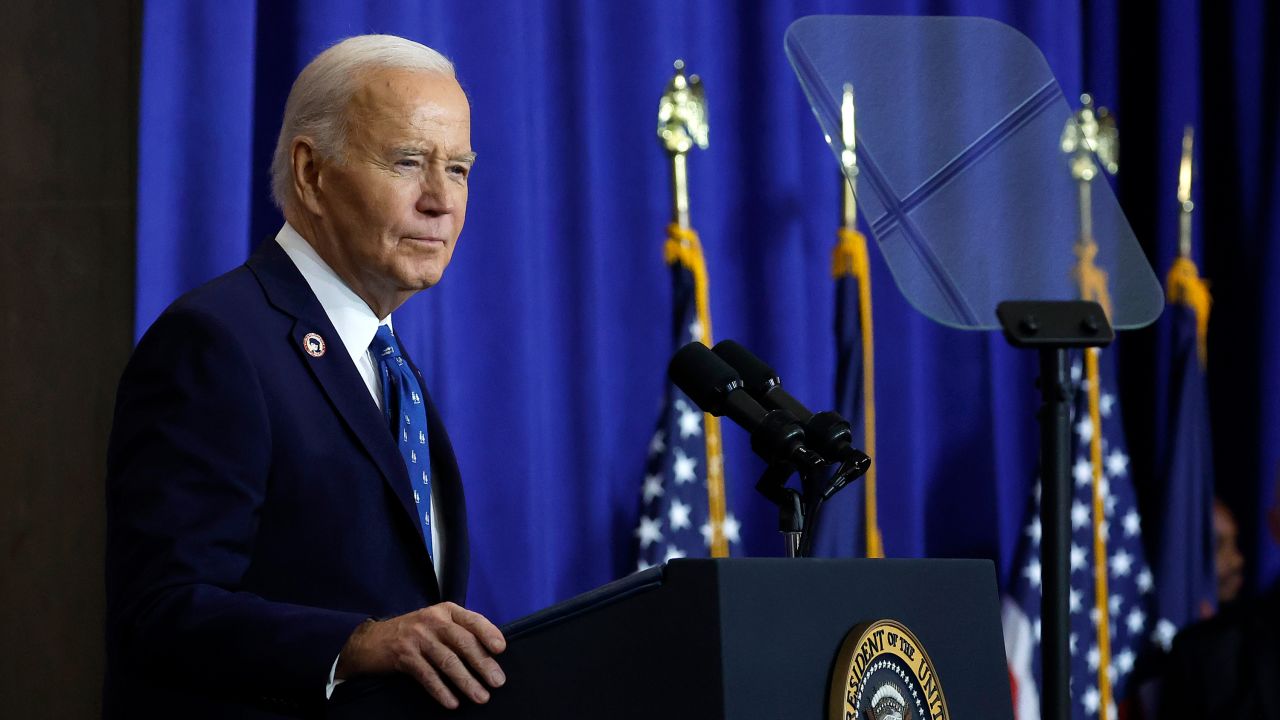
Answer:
(187, 472)
(187, 469)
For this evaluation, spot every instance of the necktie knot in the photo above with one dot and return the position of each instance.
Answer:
(384, 347)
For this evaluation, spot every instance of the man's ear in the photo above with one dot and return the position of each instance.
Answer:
(306, 173)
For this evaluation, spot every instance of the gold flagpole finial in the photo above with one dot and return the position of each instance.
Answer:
(1091, 133)
(682, 125)
(849, 159)
(1090, 137)
(1185, 205)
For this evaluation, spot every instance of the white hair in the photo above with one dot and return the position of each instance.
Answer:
(317, 104)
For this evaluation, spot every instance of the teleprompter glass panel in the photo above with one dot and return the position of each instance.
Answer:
(961, 173)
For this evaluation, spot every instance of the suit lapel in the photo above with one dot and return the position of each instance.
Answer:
(332, 368)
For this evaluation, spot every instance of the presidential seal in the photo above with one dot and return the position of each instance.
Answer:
(883, 673)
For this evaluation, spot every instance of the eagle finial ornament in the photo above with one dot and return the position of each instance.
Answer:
(1091, 133)
(682, 113)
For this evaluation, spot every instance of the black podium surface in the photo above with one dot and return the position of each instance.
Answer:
(749, 638)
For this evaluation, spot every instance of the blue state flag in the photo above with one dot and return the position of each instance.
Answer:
(848, 526)
(1186, 587)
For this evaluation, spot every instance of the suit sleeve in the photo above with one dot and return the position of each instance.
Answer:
(188, 463)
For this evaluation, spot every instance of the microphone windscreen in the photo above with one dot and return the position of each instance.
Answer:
(703, 376)
(756, 374)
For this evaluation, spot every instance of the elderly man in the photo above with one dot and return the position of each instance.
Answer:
(284, 507)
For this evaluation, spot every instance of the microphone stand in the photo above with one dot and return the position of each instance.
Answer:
(818, 494)
(773, 485)
(797, 512)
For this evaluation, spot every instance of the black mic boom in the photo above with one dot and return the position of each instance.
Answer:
(827, 432)
(760, 379)
(717, 388)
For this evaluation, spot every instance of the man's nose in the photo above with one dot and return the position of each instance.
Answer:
(436, 196)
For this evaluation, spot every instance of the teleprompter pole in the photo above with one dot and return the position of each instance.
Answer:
(1052, 327)
(1055, 503)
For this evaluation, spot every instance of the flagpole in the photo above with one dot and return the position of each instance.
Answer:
(682, 125)
(1184, 284)
(680, 190)
(1090, 136)
(1185, 206)
(849, 159)
(850, 260)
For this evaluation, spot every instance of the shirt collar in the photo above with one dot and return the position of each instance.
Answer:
(351, 317)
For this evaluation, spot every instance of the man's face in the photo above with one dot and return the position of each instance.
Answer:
(394, 206)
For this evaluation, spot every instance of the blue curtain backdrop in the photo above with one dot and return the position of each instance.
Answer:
(545, 345)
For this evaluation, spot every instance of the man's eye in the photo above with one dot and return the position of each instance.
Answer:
(459, 170)
(407, 163)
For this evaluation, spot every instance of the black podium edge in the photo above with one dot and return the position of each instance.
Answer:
(605, 595)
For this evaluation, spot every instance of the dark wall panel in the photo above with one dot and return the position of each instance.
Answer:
(68, 83)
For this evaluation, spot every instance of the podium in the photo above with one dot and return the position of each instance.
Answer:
(735, 638)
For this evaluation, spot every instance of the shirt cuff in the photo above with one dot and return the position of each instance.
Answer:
(333, 682)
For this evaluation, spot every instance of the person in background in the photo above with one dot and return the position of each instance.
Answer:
(1228, 666)
(1228, 562)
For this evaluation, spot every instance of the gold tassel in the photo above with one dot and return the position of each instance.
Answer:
(850, 261)
(1186, 287)
(683, 247)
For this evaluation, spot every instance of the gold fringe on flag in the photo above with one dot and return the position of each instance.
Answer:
(1186, 287)
(1100, 594)
(683, 247)
(850, 260)
(1093, 286)
(1091, 278)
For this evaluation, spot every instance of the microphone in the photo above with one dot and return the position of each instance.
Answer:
(716, 388)
(829, 433)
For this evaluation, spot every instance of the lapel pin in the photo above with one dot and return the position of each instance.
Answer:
(313, 344)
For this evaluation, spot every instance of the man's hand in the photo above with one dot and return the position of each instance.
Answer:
(442, 640)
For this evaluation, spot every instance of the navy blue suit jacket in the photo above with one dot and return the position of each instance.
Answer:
(258, 508)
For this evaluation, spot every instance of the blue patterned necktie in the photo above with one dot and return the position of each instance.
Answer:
(407, 417)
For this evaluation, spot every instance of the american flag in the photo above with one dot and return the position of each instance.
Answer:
(1127, 605)
(675, 515)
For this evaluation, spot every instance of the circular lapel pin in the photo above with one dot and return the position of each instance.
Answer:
(313, 344)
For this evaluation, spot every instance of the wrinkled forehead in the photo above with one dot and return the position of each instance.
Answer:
(392, 100)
